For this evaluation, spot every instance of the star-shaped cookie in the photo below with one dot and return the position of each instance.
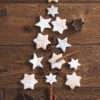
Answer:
(63, 44)
(58, 65)
(55, 57)
(42, 41)
(53, 1)
(74, 63)
(51, 78)
(36, 61)
(29, 81)
(59, 25)
(53, 11)
(43, 23)
(73, 81)
(56, 61)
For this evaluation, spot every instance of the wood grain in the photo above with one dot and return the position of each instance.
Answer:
(85, 94)
(94, 94)
(17, 18)
(17, 32)
(17, 64)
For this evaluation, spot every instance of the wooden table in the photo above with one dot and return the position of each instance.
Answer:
(16, 48)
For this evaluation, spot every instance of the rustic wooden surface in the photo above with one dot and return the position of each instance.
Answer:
(16, 33)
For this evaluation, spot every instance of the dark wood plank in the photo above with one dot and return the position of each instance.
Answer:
(12, 30)
(92, 93)
(14, 63)
(38, 94)
(1, 94)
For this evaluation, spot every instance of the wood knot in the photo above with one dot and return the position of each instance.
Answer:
(76, 25)
(28, 28)
(3, 12)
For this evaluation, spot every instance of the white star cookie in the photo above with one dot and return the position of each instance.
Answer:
(59, 25)
(73, 81)
(51, 79)
(52, 1)
(53, 11)
(56, 61)
(74, 64)
(29, 81)
(42, 41)
(36, 61)
(55, 57)
(63, 44)
(57, 65)
(43, 23)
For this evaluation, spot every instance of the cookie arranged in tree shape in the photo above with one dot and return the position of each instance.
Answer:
(57, 60)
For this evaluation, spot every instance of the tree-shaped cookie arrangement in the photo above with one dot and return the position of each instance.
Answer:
(57, 25)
